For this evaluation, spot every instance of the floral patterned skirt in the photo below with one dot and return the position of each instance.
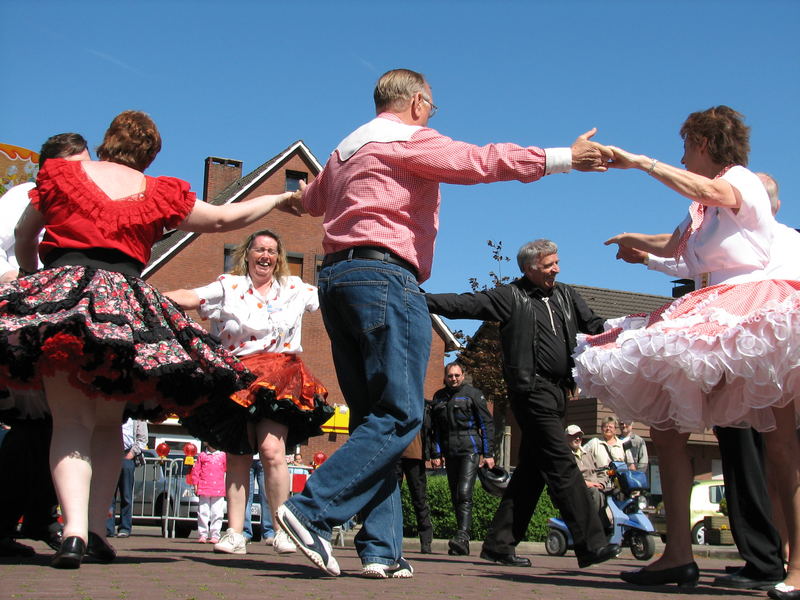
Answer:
(284, 391)
(115, 336)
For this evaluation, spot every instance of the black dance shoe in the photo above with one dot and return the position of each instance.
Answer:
(684, 575)
(602, 554)
(70, 554)
(509, 560)
(99, 550)
(784, 592)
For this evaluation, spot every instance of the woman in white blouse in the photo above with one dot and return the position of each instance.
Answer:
(727, 354)
(256, 311)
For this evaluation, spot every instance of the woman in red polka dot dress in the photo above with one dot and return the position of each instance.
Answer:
(256, 311)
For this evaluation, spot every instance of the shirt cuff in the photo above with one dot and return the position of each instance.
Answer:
(557, 160)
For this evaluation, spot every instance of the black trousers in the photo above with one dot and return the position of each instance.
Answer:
(544, 458)
(414, 471)
(461, 473)
(749, 508)
(28, 491)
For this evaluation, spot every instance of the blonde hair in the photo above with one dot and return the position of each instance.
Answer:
(281, 271)
(395, 88)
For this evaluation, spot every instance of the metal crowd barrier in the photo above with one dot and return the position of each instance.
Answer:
(162, 497)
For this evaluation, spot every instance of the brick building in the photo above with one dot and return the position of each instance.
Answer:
(187, 260)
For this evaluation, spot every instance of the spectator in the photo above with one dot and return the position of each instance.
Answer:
(134, 442)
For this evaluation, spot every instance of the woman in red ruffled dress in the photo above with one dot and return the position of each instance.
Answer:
(257, 313)
(728, 354)
(98, 339)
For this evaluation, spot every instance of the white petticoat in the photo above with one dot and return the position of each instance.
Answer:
(723, 355)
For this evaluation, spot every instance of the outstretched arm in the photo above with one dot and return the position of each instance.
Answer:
(209, 218)
(186, 299)
(660, 244)
(710, 192)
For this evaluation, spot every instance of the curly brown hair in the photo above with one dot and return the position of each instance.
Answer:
(724, 131)
(132, 140)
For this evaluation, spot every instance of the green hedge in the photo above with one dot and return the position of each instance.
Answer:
(483, 509)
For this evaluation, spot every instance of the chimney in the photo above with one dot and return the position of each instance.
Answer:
(219, 174)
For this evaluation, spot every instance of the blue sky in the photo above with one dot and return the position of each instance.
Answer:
(243, 80)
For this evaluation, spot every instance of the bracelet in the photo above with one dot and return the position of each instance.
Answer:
(25, 272)
(652, 167)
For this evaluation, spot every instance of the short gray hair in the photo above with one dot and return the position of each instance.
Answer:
(395, 89)
(533, 251)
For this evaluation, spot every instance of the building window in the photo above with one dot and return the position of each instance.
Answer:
(293, 179)
(227, 261)
(295, 261)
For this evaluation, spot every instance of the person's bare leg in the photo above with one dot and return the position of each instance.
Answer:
(676, 476)
(72, 451)
(106, 461)
(237, 475)
(782, 450)
(272, 448)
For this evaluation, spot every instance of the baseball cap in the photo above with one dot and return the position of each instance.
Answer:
(573, 430)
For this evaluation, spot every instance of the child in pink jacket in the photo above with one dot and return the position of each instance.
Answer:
(208, 478)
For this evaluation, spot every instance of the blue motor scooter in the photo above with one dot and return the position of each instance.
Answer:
(631, 527)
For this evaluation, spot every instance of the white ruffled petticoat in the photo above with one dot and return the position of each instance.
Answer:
(723, 355)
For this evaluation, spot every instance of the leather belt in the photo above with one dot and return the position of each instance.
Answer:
(369, 253)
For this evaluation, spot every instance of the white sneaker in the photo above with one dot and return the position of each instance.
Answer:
(402, 569)
(316, 548)
(282, 544)
(231, 542)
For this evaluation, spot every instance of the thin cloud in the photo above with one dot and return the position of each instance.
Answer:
(366, 63)
(115, 61)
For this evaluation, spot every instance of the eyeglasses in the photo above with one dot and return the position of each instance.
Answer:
(270, 251)
(434, 108)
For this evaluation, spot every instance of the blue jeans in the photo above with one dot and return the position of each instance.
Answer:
(380, 332)
(257, 474)
(125, 489)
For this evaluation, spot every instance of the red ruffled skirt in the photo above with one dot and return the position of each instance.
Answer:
(723, 355)
(284, 391)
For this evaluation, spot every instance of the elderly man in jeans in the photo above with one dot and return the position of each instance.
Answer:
(379, 194)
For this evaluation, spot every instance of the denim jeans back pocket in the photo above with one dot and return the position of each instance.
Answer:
(361, 303)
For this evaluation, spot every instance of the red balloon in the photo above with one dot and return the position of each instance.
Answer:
(189, 449)
(163, 449)
(319, 458)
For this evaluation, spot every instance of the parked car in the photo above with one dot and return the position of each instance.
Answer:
(160, 489)
(704, 502)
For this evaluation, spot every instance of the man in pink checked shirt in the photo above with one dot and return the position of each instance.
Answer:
(379, 193)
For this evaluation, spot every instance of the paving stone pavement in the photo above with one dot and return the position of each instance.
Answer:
(150, 567)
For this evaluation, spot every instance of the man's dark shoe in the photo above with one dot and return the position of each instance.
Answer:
(602, 554)
(509, 560)
(742, 582)
(11, 547)
(459, 545)
(425, 549)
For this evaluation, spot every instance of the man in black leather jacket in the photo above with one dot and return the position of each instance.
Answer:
(462, 432)
(539, 320)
